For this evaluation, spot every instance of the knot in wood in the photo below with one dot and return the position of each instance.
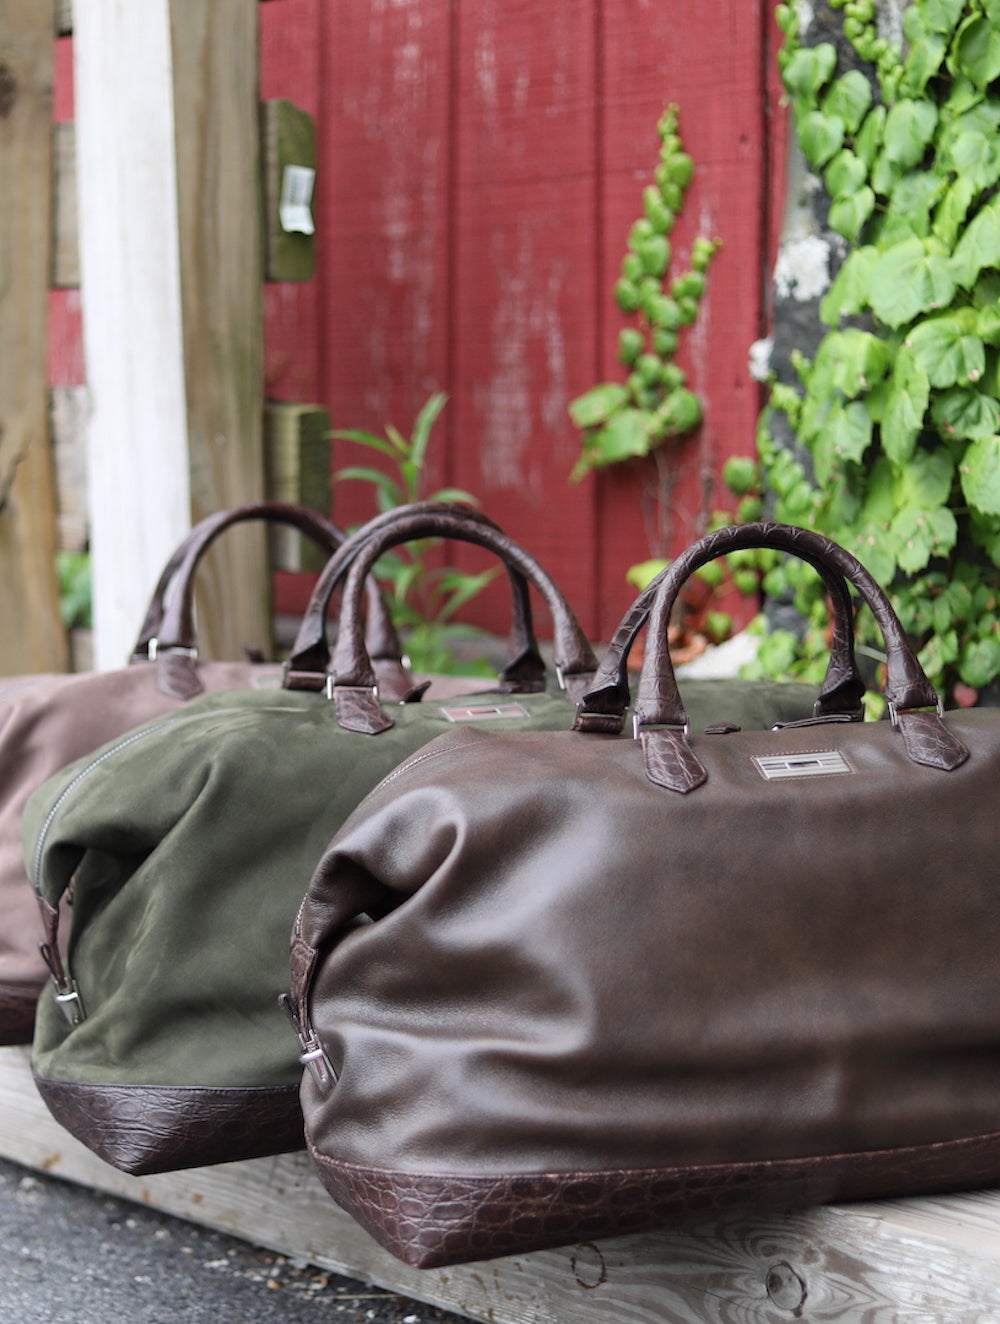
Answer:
(785, 1288)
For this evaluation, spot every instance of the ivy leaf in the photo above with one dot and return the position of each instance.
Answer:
(849, 213)
(845, 173)
(906, 403)
(977, 52)
(875, 552)
(966, 414)
(847, 436)
(909, 127)
(952, 211)
(908, 280)
(922, 534)
(980, 475)
(991, 8)
(978, 247)
(909, 210)
(820, 137)
(988, 323)
(946, 351)
(975, 158)
(597, 405)
(808, 69)
(924, 483)
(979, 662)
(927, 50)
(849, 292)
(941, 15)
(868, 142)
(849, 99)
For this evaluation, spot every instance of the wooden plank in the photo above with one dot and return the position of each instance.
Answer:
(288, 145)
(214, 53)
(64, 17)
(523, 243)
(70, 408)
(33, 638)
(170, 255)
(297, 461)
(925, 1261)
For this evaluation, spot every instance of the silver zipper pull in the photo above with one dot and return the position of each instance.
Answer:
(313, 1056)
(67, 994)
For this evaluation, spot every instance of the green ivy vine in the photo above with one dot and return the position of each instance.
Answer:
(624, 420)
(897, 416)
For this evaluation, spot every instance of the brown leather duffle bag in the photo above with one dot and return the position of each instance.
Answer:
(555, 986)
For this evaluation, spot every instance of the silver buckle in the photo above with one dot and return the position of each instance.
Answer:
(71, 1004)
(313, 1057)
(153, 650)
(638, 727)
(331, 685)
(896, 713)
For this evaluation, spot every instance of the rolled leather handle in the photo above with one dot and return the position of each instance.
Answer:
(310, 656)
(168, 631)
(841, 693)
(351, 674)
(908, 692)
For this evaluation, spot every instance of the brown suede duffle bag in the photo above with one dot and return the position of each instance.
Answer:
(555, 986)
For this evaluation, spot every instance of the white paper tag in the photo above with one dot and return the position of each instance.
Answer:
(295, 207)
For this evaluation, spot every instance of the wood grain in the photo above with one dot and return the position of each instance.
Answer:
(932, 1261)
(32, 638)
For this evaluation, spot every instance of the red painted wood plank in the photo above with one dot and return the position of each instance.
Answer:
(384, 206)
(710, 66)
(524, 235)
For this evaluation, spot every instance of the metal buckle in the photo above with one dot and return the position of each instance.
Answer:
(153, 650)
(313, 1057)
(70, 1003)
(896, 713)
(331, 685)
(638, 727)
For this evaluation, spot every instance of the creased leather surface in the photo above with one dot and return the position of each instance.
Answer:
(143, 1129)
(928, 741)
(528, 959)
(431, 1221)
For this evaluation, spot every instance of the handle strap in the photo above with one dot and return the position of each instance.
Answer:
(352, 678)
(168, 632)
(661, 721)
(310, 657)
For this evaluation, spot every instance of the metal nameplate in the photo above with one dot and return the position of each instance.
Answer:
(483, 712)
(811, 763)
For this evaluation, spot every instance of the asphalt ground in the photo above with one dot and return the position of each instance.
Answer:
(70, 1255)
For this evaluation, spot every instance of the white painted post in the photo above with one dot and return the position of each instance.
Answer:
(139, 490)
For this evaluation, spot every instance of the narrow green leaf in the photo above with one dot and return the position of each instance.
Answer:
(979, 473)
(423, 425)
(368, 439)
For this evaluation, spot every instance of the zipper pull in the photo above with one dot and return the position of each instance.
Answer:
(67, 994)
(313, 1056)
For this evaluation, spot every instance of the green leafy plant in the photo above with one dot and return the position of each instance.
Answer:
(897, 416)
(424, 598)
(75, 592)
(624, 420)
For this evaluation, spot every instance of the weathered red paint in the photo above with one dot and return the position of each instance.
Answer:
(480, 165)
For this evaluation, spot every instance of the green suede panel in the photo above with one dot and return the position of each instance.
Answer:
(190, 844)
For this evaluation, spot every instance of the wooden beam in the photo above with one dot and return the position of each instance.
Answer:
(297, 450)
(64, 18)
(32, 638)
(65, 243)
(170, 262)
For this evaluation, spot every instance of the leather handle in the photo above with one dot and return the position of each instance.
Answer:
(671, 762)
(168, 630)
(310, 656)
(841, 693)
(352, 676)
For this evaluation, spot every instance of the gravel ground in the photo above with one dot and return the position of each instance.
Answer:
(75, 1256)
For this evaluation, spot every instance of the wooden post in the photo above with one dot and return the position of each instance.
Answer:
(171, 269)
(32, 638)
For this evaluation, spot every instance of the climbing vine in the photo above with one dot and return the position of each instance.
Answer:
(623, 420)
(896, 418)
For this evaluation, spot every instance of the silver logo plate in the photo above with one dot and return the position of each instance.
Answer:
(811, 763)
(483, 712)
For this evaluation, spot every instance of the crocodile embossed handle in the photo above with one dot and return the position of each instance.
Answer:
(908, 691)
(352, 677)
(310, 655)
(168, 631)
(842, 691)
